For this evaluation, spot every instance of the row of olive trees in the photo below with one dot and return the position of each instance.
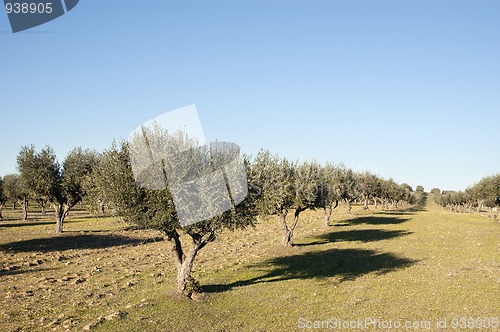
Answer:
(276, 187)
(106, 179)
(484, 193)
(287, 186)
(42, 179)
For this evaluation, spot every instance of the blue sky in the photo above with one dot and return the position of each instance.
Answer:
(406, 89)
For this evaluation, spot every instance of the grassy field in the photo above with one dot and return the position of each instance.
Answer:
(411, 267)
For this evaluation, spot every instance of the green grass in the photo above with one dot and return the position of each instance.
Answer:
(407, 265)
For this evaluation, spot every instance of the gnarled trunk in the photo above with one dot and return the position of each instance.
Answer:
(365, 205)
(349, 206)
(288, 230)
(43, 203)
(25, 208)
(385, 204)
(328, 212)
(287, 235)
(394, 203)
(186, 285)
(1, 207)
(327, 215)
(479, 205)
(62, 211)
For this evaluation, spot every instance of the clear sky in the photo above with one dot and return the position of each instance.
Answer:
(407, 89)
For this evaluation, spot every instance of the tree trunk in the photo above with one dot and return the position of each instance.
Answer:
(287, 239)
(328, 212)
(288, 230)
(42, 205)
(394, 204)
(287, 235)
(1, 207)
(479, 205)
(375, 202)
(365, 206)
(186, 285)
(349, 207)
(327, 215)
(62, 211)
(25, 209)
(60, 219)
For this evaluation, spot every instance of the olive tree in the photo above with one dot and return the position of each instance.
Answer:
(307, 185)
(329, 196)
(69, 189)
(274, 177)
(34, 169)
(377, 190)
(12, 189)
(94, 199)
(388, 192)
(366, 186)
(42, 176)
(285, 186)
(3, 197)
(487, 189)
(154, 208)
(347, 189)
(436, 191)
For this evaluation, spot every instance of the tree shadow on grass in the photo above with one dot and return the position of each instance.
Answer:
(81, 218)
(346, 264)
(377, 220)
(25, 223)
(68, 242)
(396, 213)
(363, 235)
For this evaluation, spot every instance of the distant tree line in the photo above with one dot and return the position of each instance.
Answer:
(485, 193)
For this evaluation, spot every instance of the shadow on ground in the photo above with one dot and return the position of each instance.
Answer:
(376, 220)
(67, 242)
(396, 213)
(347, 264)
(363, 235)
(25, 223)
